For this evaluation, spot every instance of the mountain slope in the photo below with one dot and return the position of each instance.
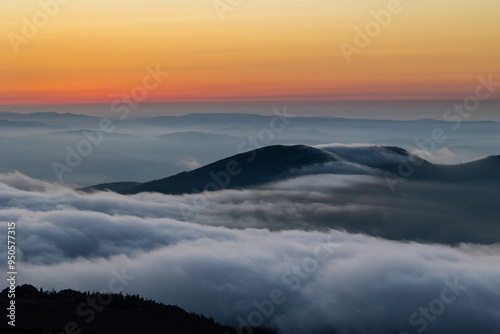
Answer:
(256, 167)
(50, 312)
(242, 170)
(274, 163)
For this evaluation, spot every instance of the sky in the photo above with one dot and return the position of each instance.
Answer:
(258, 50)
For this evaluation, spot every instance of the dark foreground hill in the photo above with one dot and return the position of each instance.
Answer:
(279, 162)
(69, 311)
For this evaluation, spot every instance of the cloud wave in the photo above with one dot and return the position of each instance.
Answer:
(229, 262)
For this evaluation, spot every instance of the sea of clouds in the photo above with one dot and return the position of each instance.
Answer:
(266, 255)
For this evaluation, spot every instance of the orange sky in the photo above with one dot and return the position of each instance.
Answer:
(263, 49)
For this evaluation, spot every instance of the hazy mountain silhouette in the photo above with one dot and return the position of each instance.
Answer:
(166, 145)
(14, 128)
(274, 163)
(52, 118)
(22, 124)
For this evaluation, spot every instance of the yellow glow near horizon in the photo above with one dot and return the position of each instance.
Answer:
(263, 49)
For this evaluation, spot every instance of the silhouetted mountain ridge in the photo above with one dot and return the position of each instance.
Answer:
(47, 312)
(256, 167)
(279, 162)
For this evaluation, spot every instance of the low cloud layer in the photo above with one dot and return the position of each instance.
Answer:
(242, 259)
(442, 156)
(189, 163)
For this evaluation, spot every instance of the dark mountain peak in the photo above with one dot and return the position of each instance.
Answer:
(279, 162)
(495, 158)
(260, 166)
(490, 161)
(397, 150)
(25, 290)
(298, 154)
(49, 311)
(28, 290)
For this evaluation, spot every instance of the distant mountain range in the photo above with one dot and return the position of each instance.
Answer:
(279, 162)
(49, 118)
(147, 148)
(12, 128)
(221, 121)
